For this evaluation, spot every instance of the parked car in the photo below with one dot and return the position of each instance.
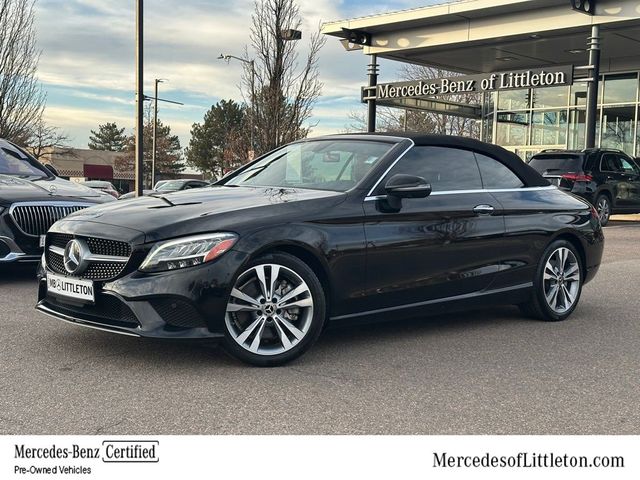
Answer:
(330, 229)
(160, 182)
(169, 186)
(103, 186)
(609, 179)
(32, 198)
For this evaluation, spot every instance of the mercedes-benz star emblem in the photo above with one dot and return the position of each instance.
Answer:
(75, 257)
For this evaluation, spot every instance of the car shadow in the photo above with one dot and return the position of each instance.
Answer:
(17, 273)
(338, 339)
(447, 322)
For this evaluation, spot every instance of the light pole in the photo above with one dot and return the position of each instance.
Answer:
(155, 131)
(139, 166)
(252, 65)
(155, 126)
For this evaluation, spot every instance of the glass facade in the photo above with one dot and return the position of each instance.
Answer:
(529, 120)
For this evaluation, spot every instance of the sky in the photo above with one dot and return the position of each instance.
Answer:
(87, 65)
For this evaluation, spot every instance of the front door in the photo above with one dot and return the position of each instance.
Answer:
(630, 174)
(445, 245)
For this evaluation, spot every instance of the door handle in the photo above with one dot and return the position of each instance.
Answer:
(483, 209)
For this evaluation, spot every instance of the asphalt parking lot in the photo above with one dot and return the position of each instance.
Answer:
(482, 372)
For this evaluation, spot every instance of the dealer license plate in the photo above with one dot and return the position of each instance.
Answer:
(70, 287)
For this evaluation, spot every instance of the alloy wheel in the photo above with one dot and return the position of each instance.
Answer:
(561, 280)
(270, 309)
(604, 210)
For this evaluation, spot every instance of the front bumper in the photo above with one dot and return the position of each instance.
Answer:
(10, 252)
(180, 304)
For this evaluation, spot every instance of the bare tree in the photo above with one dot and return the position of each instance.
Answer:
(283, 91)
(22, 99)
(397, 119)
(44, 138)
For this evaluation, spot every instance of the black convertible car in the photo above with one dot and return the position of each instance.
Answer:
(325, 230)
(32, 198)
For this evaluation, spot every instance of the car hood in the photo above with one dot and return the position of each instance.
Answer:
(14, 189)
(193, 211)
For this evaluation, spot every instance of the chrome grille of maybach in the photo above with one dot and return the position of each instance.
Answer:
(36, 219)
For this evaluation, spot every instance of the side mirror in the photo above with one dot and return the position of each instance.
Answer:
(405, 186)
(52, 169)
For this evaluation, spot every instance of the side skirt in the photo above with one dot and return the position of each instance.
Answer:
(507, 295)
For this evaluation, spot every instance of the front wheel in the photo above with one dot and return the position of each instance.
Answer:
(275, 312)
(558, 283)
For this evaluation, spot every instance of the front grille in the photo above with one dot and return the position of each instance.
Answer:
(107, 310)
(36, 219)
(98, 270)
(114, 248)
(178, 313)
(59, 240)
(103, 270)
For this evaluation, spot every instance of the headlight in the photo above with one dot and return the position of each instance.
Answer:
(187, 252)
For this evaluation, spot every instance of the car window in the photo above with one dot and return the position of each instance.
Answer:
(554, 163)
(610, 163)
(171, 185)
(12, 162)
(444, 168)
(495, 174)
(628, 166)
(336, 165)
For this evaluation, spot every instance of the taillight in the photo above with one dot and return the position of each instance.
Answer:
(578, 177)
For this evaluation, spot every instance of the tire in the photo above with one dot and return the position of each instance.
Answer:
(259, 328)
(555, 304)
(603, 207)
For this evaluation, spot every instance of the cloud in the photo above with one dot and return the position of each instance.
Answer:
(88, 59)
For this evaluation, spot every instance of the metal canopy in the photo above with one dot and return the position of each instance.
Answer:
(480, 36)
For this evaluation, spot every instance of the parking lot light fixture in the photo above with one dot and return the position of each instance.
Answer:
(252, 66)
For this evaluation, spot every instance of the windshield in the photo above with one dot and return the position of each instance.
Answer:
(556, 163)
(336, 165)
(14, 162)
(177, 185)
(94, 184)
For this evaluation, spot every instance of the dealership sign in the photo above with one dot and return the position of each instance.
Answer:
(485, 82)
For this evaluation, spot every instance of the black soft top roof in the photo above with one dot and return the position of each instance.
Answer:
(528, 175)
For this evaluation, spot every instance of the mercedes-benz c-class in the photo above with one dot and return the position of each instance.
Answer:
(325, 230)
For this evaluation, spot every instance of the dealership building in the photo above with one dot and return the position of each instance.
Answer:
(548, 74)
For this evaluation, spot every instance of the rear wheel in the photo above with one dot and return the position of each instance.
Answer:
(603, 206)
(558, 283)
(275, 312)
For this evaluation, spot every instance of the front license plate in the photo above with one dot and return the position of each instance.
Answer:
(70, 287)
(43, 238)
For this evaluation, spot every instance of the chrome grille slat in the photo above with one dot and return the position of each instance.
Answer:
(35, 218)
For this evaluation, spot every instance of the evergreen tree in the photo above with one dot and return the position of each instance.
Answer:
(108, 137)
(220, 142)
(169, 160)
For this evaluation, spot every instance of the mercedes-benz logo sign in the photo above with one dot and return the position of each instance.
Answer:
(75, 257)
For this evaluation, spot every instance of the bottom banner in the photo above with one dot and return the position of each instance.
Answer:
(296, 457)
